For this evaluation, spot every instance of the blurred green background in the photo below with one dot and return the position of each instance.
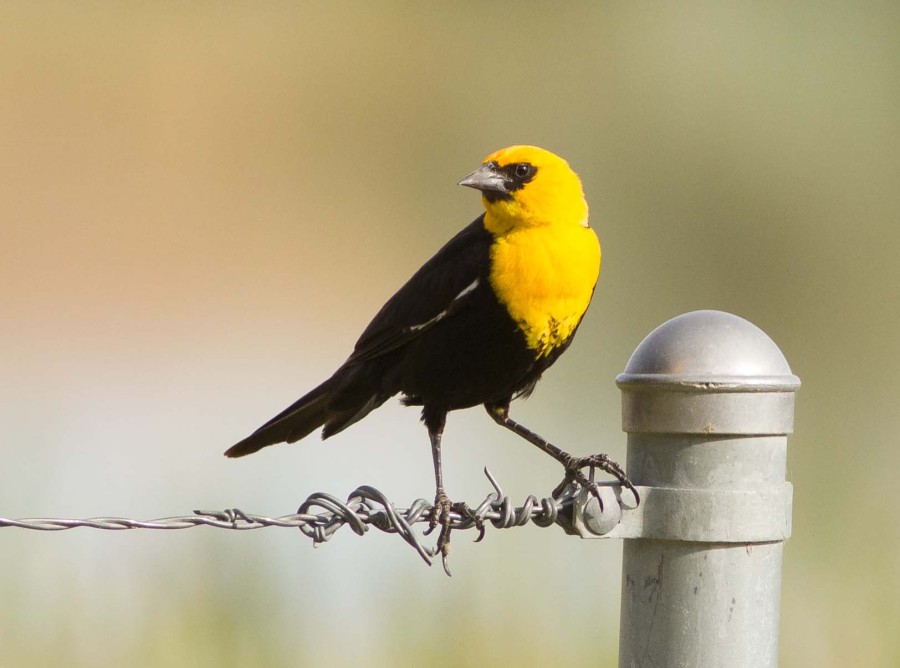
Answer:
(201, 206)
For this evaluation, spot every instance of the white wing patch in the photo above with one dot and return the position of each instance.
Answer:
(451, 307)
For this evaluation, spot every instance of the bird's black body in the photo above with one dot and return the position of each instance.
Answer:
(443, 340)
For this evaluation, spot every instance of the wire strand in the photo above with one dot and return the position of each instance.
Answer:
(322, 515)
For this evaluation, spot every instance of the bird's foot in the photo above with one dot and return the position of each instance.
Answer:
(440, 515)
(574, 465)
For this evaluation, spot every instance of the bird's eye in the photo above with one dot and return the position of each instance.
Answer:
(523, 170)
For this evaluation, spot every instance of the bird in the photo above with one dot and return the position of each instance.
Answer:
(477, 324)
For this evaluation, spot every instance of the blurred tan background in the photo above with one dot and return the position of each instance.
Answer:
(201, 206)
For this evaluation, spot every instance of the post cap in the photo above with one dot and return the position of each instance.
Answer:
(708, 353)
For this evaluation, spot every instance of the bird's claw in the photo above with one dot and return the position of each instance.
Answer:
(574, 465)
(465, 511)
(440, 515)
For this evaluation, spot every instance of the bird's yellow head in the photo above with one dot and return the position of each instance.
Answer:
(527, 186)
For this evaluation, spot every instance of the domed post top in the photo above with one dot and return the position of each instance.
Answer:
(705, 356)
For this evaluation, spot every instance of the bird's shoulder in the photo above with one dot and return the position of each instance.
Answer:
(442, 286)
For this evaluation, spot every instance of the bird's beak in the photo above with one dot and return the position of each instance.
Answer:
(486, 178)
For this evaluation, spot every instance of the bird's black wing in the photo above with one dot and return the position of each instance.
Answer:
(436, 291)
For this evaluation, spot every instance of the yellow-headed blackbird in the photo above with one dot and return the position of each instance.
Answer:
(477, 324)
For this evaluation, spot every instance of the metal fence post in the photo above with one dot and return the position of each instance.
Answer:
(707, 402)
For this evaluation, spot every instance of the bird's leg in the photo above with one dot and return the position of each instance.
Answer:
(571, 464)
(442, 503)
(434, 421)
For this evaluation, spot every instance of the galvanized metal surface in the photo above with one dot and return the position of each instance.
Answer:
(700, 604)
(708, 401)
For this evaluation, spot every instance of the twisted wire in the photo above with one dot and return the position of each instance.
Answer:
(321, 515)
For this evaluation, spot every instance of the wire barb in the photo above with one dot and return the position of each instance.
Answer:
(321, 515)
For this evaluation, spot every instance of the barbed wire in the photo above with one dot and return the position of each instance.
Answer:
(365, 507)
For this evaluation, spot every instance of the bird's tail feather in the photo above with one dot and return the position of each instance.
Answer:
(337, 403)
(296, 421)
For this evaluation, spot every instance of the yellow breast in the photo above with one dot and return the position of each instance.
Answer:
(545, 277)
